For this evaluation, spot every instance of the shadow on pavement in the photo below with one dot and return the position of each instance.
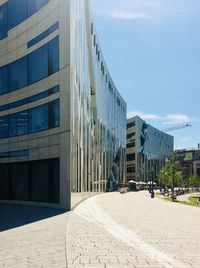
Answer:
(12, 216)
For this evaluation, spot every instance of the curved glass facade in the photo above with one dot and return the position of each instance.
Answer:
(62, 120)
(29, 69)
(147, 150)
(14, 12)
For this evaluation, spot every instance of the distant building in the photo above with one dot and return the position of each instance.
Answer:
(190, 161)
(147, 149)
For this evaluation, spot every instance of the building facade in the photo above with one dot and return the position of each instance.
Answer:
(62, 120)
(147, 149)
(190, 161)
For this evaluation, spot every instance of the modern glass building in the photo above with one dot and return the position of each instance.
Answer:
(62, 120)
(147, 149)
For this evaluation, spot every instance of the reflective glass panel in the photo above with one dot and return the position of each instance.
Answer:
(38, 118)
(3, 79)
(17, 74)
(43, 35)
(17, 12)
(38, 64)
(54, 114)
(18, 124)
(4, 126)
(3, 21)
(54, 55)
(35, 5)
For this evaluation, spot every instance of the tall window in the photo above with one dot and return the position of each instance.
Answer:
(3, 79)
(35, 5)
(54, 55)
(18, 124)
(38, 64)
(54, 114)
(17, 12)
(4, 126)
(38, 118)
(3, 21)
(17, 74)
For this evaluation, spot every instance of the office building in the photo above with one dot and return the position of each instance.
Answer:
(62, 120)
(189, 161)
(147, 149)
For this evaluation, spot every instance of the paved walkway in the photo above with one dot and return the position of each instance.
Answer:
(32, 237)
(111, 230)
(133, 230)
(186, 196)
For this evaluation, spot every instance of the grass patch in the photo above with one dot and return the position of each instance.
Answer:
(192, 201)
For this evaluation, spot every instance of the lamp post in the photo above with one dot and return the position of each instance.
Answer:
(152, 182)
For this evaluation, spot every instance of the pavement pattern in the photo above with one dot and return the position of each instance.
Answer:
(185, 197)
(111, 230)
(133, 230)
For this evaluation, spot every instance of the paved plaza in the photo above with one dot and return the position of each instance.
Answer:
(110, 230)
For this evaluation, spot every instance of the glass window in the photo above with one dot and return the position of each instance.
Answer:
(53, 90)
(18, 124)
(35, 5)
(3, 79)
(17, 12)
(19, 178)
(130, 157)
(54, 113)
(4, 126)
(4, 182)
(39, 171)
(3, 107)
(130, 169)
(18, 153)
(129, 136)
(18, 103)
(54, 55)
(38, 118)
(38, 64)
(130, 145)
(132, 124)
(38, 96)
(17, 74)
(43, 35)
(53, 180)
(3, 21)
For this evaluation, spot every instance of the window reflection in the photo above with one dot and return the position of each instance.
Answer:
(17, 12)
(40, 118)
(17, 74)
(18, 124)
(41, 63)
(3, 21)
(38, 64)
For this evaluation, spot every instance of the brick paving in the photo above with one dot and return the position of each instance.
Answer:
(110, 230)
(133, 230)
(32, 237)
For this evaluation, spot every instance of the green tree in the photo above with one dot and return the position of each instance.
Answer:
(171, 174)
(194, 181)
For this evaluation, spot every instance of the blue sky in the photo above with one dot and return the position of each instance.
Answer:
(152, 49)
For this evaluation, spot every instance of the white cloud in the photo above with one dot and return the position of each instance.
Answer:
(127, 15)
(121, 14)
(178, 118)
(169, 119)
(143, 115)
